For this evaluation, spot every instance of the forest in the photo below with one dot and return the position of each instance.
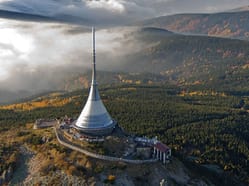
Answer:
(210, 128)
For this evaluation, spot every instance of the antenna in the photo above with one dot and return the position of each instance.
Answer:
(94, 58)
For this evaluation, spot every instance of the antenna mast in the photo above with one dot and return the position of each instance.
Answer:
(94, 58)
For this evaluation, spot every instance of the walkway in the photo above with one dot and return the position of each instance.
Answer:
(68, 144)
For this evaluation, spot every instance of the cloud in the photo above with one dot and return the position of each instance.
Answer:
(31, 53)
(38, 56)
(111, 5)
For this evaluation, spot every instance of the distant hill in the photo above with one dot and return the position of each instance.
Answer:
(79, 81)
(195, 61)
(199, 62)
(226, 24)
(9, 96)
(192, 60)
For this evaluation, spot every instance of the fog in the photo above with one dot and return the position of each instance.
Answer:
(38, 56)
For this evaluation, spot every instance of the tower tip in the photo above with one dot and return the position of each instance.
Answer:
(94, 57)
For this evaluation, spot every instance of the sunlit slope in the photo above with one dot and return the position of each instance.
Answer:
(211, 127)
(227, 24)
(211, 61)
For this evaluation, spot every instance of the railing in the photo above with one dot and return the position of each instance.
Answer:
(98, 156)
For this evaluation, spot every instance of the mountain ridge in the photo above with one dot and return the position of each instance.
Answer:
(223, 24)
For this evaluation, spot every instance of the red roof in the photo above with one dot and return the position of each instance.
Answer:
(161, 147)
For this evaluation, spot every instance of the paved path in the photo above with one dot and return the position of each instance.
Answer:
(66, 143)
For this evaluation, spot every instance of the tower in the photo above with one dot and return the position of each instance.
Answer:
(94, 118)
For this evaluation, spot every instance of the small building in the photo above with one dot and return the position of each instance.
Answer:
(44, 123)
(162, 152)
(146, 141)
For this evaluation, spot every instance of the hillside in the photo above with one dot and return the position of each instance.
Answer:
(207, 130)
(76, 81)
(227, 24)
(163, 56)
(208, 62)
(216, 63)
(8, 96)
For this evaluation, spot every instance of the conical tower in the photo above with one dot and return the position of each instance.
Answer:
(94, 118)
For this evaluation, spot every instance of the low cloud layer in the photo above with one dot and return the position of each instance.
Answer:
(116, 12)
(36, 56)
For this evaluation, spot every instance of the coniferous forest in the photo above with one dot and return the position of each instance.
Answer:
(203, 128)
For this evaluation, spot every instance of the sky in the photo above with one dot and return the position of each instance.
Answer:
(32, 54)
(118, 11)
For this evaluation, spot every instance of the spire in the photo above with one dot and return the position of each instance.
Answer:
(94, 118)
(94, 58)
(94, 93)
